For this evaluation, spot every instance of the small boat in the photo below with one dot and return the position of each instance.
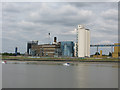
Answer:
(66, 64)
(4, 62)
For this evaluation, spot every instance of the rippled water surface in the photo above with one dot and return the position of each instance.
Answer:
(80, 75)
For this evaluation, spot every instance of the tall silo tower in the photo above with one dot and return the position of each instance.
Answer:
(83, 41)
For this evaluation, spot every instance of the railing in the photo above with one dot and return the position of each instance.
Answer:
(108, 45)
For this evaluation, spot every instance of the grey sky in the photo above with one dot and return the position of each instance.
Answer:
(23, 22)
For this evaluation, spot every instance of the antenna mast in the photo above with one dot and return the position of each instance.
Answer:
(49, 37)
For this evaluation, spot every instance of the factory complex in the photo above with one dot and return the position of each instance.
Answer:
(80, 48)
(57, 49)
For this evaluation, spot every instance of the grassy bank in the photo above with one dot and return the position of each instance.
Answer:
(28, 58)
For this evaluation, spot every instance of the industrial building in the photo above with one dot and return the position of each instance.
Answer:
(82, 45)
(56, 49)
(67, 48)
(29, 45)
(46, 50)
(64, 48)
(116, 52)
(16, 51)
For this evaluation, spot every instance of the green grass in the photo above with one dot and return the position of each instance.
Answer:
(55, 58)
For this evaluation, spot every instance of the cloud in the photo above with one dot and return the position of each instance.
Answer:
(110, 14)
(67, 15)
(106, 42)
(33, 21)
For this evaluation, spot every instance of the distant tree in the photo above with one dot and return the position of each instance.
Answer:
(18, 53)
(97, 53)
(5, 53)
(10, 54)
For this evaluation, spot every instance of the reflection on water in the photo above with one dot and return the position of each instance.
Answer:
(56, 75)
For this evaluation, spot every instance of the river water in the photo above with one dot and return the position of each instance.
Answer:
(80, 75)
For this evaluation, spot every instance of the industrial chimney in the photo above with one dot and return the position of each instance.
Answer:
(55, 40)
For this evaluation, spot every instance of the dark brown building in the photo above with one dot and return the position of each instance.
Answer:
(46, 50)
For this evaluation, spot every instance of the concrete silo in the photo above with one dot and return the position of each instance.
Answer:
(83, 40)
(88, 43)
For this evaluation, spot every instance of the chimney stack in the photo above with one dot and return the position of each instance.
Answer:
(55, 39)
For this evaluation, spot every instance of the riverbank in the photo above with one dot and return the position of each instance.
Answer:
(72, 59)
(71, 63)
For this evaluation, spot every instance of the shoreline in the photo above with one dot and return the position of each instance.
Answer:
(40, 60)
(58, 59)
(57, 62)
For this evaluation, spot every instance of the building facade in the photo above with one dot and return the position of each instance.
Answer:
(67, 48)
(83, 42)
(29, 45)
(75, 50)
(46, 50)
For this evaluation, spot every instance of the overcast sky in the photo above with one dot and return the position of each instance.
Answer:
(23, 22)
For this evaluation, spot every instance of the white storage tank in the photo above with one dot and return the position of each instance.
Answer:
(88, 43)
(83, 41)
